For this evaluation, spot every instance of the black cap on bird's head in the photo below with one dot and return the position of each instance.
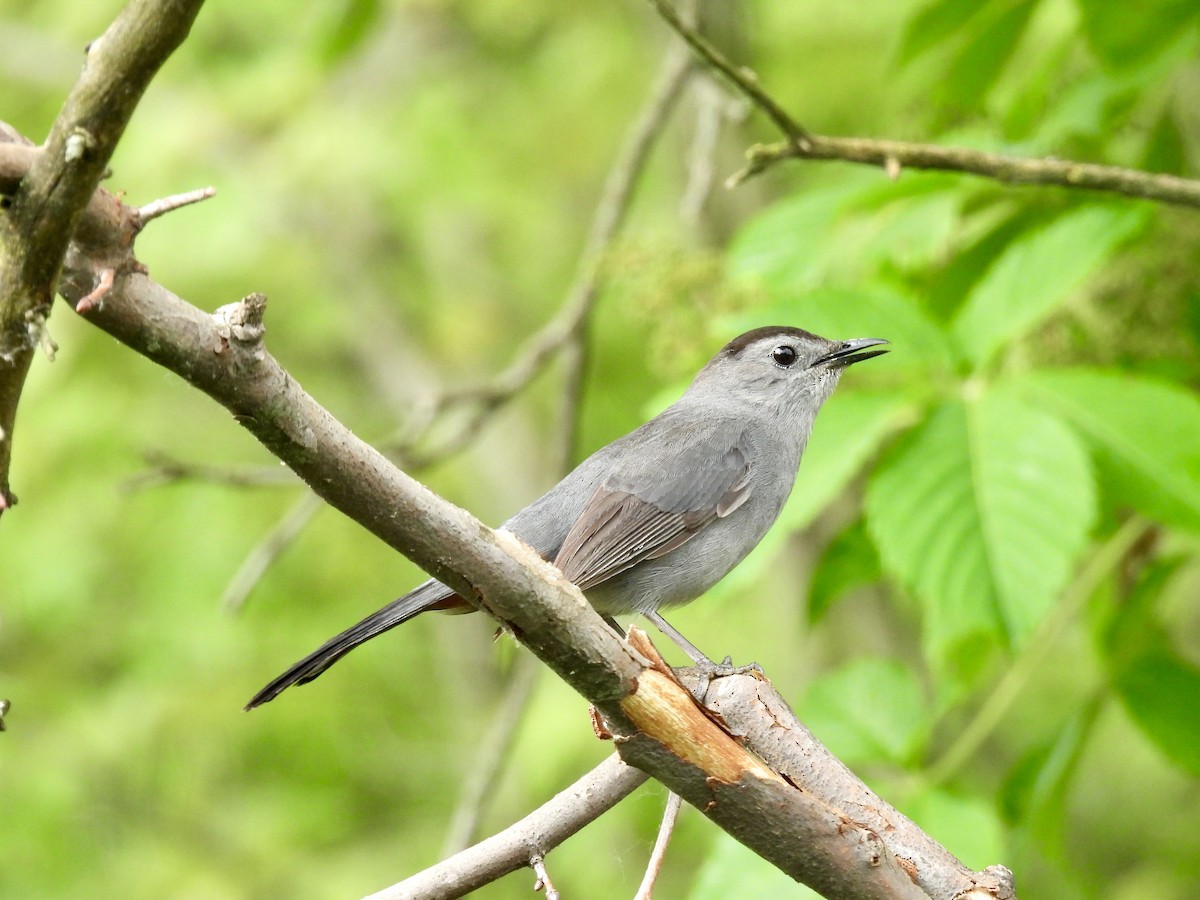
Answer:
(789, 347)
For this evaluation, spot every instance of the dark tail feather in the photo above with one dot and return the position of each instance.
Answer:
(430, 595)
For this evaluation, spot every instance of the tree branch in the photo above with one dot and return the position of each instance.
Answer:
(537, 834)
(893, 156)
(45, 207)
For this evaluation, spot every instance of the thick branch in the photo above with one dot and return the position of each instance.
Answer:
(535, 835)
(46, 206)
(893, 156)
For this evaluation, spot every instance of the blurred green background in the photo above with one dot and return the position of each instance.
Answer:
(983, 594)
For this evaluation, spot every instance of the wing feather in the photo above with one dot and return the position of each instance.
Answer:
(626, 522)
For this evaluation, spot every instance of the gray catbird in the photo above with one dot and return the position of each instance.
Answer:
(659, 516)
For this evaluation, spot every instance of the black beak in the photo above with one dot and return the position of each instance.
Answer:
(850, 352)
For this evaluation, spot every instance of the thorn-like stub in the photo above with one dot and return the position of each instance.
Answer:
(79, 142)
(95, 299)
(242, 322)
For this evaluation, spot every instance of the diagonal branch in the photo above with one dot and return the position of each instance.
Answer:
(893, 156)
(535, 835)
(45, 208)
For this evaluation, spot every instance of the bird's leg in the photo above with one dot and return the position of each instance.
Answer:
(706, 666)
(614, 625)
(683, 643)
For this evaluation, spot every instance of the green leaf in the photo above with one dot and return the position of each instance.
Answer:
(1034, 793)
(849, 429)
(936, 24)
(1167, 146)
(1145, 433)
(1161, 691)
(982, 59)
(868, 711)
(1037, 273)
(1127, 34)
(982, 514)
(850, 561)
(353, 26)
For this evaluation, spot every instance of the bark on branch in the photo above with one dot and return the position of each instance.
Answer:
(45, 207)
(535, 835)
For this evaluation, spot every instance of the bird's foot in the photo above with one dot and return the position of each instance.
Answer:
(725, 668)
(699, 676)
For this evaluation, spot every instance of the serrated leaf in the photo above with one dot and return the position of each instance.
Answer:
(850, 561)
(982, 514)
(849, 429)
(1036, 273)
(868, 711)
(1147, 434)
(876, 311)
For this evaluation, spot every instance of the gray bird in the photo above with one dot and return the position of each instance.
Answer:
(659, 516)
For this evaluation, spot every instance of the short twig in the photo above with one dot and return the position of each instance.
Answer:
(538, 864)
(665, 830)
(95, 299)
(165, 205)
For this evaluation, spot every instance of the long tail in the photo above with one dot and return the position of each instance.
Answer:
(430, 595)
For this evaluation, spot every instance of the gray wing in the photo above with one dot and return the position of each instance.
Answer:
(636, 516)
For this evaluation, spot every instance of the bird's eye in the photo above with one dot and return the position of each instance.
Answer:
(784, 356)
